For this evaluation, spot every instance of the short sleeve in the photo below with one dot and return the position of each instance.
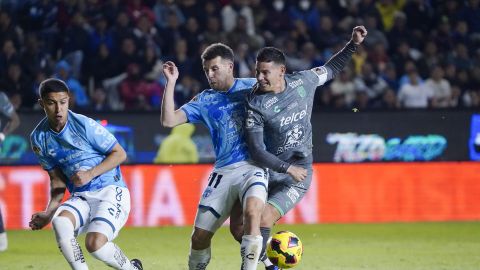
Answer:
(99, 137)
(46, 162)
(6, 106)
(193, 110)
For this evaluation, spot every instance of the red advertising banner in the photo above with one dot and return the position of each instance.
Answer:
(168, 195)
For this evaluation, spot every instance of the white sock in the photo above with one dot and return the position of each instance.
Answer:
(3, 241)
(199, 259)
(71, 250)
(267, 262)
(250, 249)
(113, 256)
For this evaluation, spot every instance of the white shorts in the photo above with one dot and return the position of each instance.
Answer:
(237, 181)
(104, 211)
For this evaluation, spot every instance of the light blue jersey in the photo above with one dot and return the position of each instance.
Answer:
(223, 113)
(81, 145)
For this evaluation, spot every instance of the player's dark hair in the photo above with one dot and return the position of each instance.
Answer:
(217, 49)
(52, 85)
(271, 54)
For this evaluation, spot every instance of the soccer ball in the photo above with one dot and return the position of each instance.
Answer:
(285, 249)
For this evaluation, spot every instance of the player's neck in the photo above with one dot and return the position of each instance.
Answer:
(58, 126)
(280, 87)
(229, 84)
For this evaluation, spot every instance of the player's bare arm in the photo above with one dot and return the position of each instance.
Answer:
(169, 116)
(338, 61)
(57, 190)
(113, 159)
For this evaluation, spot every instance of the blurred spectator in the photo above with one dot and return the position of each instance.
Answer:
(191, 34)
(375, 35)
(16, 86)
(99, 100)
(388, 101)
(63, 72)
(8, 55)
(387, 10)
(240, 34)
(178, 147)
(343, 87)
(135, 91)
(163, 8)
(369, 83)
(441, 93)
(234, 10)
(305, 11)
(146, 35)
(33, 58)
(100, 34)
(102, 65)
(8, 30)
(413, 94)
(213, 33)
(244, 61)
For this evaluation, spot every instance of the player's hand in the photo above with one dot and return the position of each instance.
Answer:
(39, 220)
(81, 178)
(170, 71)
(358, 34)
(298, 173)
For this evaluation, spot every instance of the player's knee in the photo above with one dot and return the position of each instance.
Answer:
(62, 224)
(94, 241)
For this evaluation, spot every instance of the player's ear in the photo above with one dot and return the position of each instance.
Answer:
(283, 69)
(40, 102)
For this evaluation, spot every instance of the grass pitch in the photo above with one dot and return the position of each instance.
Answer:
(409, 246)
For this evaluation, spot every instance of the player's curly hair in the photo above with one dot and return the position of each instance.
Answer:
(217, 49)
(271, 54)
(52, 85)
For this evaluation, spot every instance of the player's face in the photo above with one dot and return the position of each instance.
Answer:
(270, 76)
(55, 106)
(219, 73)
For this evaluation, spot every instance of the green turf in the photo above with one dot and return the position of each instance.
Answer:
(429, 246)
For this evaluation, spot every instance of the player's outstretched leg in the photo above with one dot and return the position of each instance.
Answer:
(269, 216)
(109, 253)
(251, 245)
(71, 250)
(200, 252)
(3, 235)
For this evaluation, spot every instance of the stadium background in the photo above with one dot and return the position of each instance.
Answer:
(389, 160)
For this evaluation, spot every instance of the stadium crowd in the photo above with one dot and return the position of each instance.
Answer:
(418, 53)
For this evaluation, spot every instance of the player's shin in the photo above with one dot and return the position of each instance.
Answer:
(199, 259)
(113, 256)
(64, 232)
(250, 250)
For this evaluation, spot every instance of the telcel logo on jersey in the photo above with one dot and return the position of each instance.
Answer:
(296, 116)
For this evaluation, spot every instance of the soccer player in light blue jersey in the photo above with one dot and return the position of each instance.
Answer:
(82, 156)
(234, 178)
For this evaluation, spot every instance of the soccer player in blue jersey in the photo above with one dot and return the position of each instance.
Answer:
(222, 110)
(82, 156)
(278, 128)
